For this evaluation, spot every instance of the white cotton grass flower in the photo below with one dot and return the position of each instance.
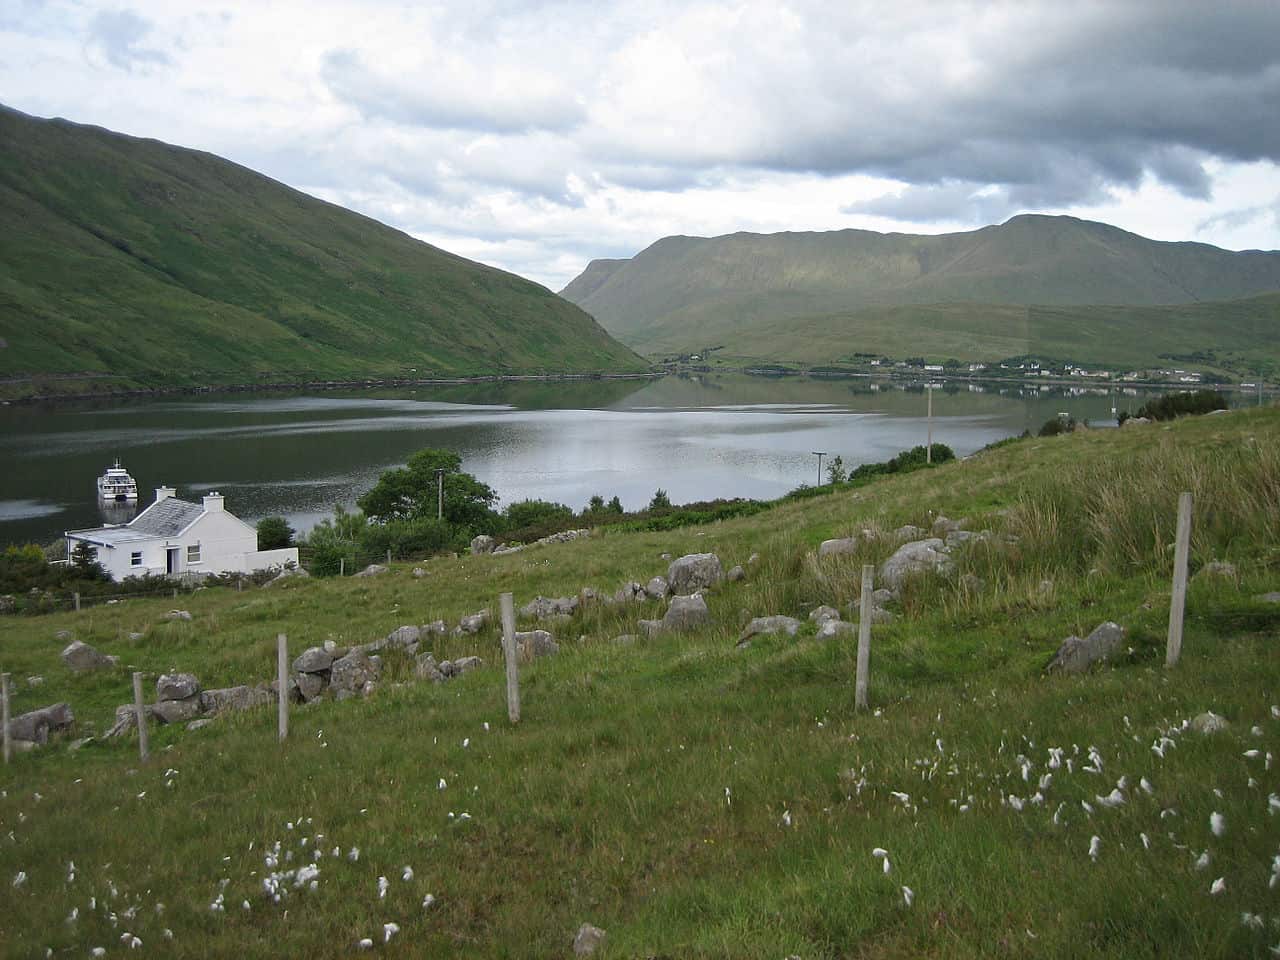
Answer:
(389, 930)
(1217, 823)
(20, 879)
(908, 896)
(1146, 841)
(1113, 799)
(408, 874)
(442, 784)
(879, 853)
(1273, 804)
(486, 726)
(353, 854)
(98, 952)
(1203, 861)
(1218, 886)
(1145, 785)
(1251, 920)
(366, 943)
(382, 887)
(1095, 847)
(466, 742)
(786, 818)
(428, 900)
(887, 866)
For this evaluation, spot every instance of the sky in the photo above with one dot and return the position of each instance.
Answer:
(538, 136)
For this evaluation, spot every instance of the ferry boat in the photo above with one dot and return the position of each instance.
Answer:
(117, 486)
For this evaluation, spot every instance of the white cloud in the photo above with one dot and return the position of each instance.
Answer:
(535, 137)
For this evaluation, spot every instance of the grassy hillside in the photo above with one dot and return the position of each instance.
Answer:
(688, 292)
(697, 800)
(1232, 336)
(128, 262)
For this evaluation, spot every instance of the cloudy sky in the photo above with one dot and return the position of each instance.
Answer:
(538, 136)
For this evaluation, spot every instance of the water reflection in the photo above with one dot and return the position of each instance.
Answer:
(695, 437)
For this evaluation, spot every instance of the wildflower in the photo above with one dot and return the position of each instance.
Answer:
(1218, 824)
(1095, 847)
(382, 887)
(1218, 886)
(908, 895)
(408, 874)
(389, 930)
(428, 900)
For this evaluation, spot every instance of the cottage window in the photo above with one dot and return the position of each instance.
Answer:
(193, 553)
(135, 558)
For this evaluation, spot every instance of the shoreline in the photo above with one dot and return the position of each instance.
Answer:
(360, 384)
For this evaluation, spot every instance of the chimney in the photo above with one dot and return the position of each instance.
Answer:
(164, 493)
(213, 502)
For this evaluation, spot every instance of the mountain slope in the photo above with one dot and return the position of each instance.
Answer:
(689, 292)
(140, 263)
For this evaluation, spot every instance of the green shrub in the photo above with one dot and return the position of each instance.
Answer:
(1173, 405)
(527, 513)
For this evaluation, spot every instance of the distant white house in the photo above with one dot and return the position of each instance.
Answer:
(175, 538)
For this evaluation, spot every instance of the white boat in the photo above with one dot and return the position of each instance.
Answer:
(116, 486)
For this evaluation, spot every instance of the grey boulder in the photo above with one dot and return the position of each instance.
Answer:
(628, 592)
(836, 628)
(426, 668)
(694, 571)
(35, 726)
(402, 637)
(178, 615)
(1209, 723)
(657, 589)
(536, 643)
(81, 657)
(177, 686)
(542, 608)
(352, 672)
(824, 613)
(838, 547)
(912, 558)
(310, 685)
(473, 624)
(372, 570)
(774, 624)
(233, 698)
(482, 544)
(313, 660)
(736, 573)
(176, 711)
(686, 613)
(1077, 656)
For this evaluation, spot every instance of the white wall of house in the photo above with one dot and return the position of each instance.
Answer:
(216, 542)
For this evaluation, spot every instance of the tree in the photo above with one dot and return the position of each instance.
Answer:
(615, 506)
(660, 500)
(835, 470)
(410, 492)
(274, 533)
(84, 560)
(594, 505)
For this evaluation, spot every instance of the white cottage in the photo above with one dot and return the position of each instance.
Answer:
(174, 538)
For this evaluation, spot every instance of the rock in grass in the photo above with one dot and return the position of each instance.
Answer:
(836, 628)
(352, 672)
(657, 588)
(81, 657)
(736, 573)
(908, 531)
(372, 570)
(543, 608)
(650, 628)
(176, 711)
(310, 685)
(199, 724)
(234, 698)
(313, 660)
(625, 640)
(177, 686)
(686, 613)
(1217, 568)
(178, 615)
(426, 668)
(35, 726)
(466, 665)
(694, 571)
(588, 940)
(912, 558)
(774, 624)
(821, 615)
(536, 643)
(629, 592)
(1077, 656)
(1209, 723)
(482, 544)
(838, 547)
(943, 526)
(473, 624)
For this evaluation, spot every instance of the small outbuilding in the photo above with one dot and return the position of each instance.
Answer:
(176, 538)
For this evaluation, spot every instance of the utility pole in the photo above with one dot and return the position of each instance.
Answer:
(819, 454)
(439, 493)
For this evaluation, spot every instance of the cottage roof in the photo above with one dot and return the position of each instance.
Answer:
(167, 518)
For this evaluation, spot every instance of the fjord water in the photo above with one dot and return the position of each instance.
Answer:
(298, 455)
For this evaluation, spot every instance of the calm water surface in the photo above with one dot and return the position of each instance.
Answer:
(298, 456)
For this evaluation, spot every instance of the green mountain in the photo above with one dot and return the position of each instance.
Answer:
(127, 262)
(771, 295)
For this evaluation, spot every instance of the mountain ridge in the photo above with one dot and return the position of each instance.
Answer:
(143, 264)
(690, 291)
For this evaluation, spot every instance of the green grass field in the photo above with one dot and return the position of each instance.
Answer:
(697, 800)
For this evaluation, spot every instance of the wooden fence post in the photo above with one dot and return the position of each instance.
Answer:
(4, 715)
(509, 653)
(76, 597)
(1178, 602)
(928, 452)
(388, 556)
(140, 712)
(866, 610)
(282, 684)
(342, 566)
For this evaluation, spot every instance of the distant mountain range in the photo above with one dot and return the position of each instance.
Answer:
(131, 263)
(1060, 285)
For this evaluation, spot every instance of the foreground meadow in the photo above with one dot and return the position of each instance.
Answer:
(692, 798)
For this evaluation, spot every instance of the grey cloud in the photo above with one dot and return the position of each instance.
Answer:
(118, 34)
(1232, 219)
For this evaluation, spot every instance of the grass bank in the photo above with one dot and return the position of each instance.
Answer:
(698, 800)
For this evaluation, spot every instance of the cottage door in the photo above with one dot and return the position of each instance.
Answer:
(171, 562)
